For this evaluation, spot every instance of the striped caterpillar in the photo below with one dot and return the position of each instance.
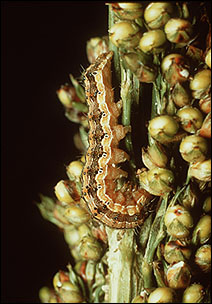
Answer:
(128, 206)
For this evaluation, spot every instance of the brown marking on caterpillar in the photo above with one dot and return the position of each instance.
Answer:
(128, 206)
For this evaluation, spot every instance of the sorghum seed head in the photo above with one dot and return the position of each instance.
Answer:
(191, 118)
(163, 128)
(125, 34)
(202, 231)
(157, 14)
(178, 275)
(162, 295)
(193, 294)
(178, 31)
(208, 58)
(193, 148)
(200, 83)
(62, 193)
(152, 41)
(203, 258)
(178, 221)
(201, 170)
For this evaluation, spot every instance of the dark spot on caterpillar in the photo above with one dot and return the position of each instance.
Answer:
(93, 154)
(98, 210)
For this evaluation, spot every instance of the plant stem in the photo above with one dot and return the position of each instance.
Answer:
(129, 93)
(121, 243)
(120, 263)
(156, 234)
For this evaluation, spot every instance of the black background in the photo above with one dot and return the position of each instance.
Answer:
(42, 42)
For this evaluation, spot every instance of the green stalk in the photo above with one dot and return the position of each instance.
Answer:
(159, 89)
(127, 99)
(157, 233)
(156, 95)
(129, 92)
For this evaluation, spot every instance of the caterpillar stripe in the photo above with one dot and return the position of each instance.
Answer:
(128, 206)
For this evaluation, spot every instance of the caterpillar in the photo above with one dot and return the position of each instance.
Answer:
(128, 206)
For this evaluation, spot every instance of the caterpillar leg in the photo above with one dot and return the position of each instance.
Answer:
(115, 108)
(114, 173)
(119, 132)
(118, 156)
